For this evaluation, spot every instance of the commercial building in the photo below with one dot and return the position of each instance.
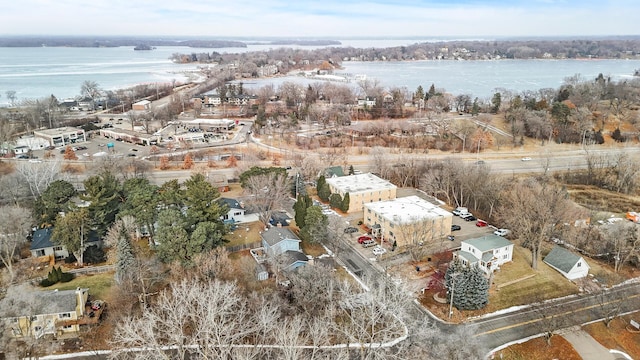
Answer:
(133, 137)
(362, 189)
(61, 136)
(407, 220)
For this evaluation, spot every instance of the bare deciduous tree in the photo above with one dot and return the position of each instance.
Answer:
(532, 210)
(38, 176)
(267, 193)
(15, 224)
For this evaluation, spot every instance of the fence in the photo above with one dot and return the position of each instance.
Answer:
(241, 247)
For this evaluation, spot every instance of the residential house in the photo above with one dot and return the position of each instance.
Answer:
(570, 265)
(362, 188)
(408, 220)
(237, 212)
(489, 252)
(333, 171)
(368, 101)
(41, 244)
(55, 312)
(282, 242)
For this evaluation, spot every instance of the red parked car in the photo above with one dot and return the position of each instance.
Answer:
(363, 238)
(481, 223)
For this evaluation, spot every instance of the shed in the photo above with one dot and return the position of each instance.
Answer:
(570, 265)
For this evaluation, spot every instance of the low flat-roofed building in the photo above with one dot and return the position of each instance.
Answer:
(407, 220)
(133, 137)
(143, 105)
(211, 124)
(61, 136)
(362, 189)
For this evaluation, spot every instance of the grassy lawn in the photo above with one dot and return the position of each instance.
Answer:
(539, 350)
(98, 284)
(616, 336)
(543, 283)
(241, 235)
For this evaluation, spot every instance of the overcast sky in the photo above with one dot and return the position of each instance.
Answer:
(329, 18)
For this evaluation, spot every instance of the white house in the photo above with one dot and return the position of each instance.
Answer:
(568, 264)
(237, 212)
(489, 252)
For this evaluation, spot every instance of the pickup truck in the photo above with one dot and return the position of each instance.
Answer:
(460, 211)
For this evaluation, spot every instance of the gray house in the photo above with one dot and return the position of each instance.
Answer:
(282, 242)
(568, 264)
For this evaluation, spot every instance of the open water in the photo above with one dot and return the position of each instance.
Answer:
(40, 72)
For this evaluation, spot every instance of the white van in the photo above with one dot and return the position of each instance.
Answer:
(459, 211)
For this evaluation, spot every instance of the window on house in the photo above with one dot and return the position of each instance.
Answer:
(40, 253)
(57, 248)
(505, 256)
(391, 233)
(64, 315)
(67, 327)
(579, 264)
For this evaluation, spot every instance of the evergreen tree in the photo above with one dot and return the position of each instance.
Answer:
(419, 95)
(475, 294)
(496, 101)
(124, 259)
(475, 108)
(432, 91)
(324, 192)
(315, 229)
(300, 208)
(351, 170)
(345, 203)
(321, 182)
(335, 201)
(103, 194)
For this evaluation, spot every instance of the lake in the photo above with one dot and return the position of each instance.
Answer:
(40, 72)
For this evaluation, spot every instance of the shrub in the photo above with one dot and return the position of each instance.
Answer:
(70, 259)
(46, 283)
(66, 277)
(94, 255)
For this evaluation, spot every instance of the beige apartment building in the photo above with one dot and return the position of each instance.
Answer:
(362, 189)
(408, 220)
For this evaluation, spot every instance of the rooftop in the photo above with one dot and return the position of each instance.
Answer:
(561, 258)
(407, 210)
(488, 242)
(59, 131)
(276, 234)
(360, 183)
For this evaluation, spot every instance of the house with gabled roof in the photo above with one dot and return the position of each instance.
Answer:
(567, 263)
(54, 312)
(41, 244)
(237, 212)
(282, 243)
(488, 252)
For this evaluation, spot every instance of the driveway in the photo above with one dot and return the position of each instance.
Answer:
(587, 346)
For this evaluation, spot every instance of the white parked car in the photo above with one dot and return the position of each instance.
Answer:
(501, 232)
(526, 159)
(379, 250)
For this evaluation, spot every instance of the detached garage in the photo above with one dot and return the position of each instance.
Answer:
(570, 265)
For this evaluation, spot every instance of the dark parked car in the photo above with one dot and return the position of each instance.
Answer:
(455, 227)
(350, 230)
(470, 218)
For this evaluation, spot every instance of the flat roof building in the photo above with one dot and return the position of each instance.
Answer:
(362, 189)
(407, 220)
(61, 136)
